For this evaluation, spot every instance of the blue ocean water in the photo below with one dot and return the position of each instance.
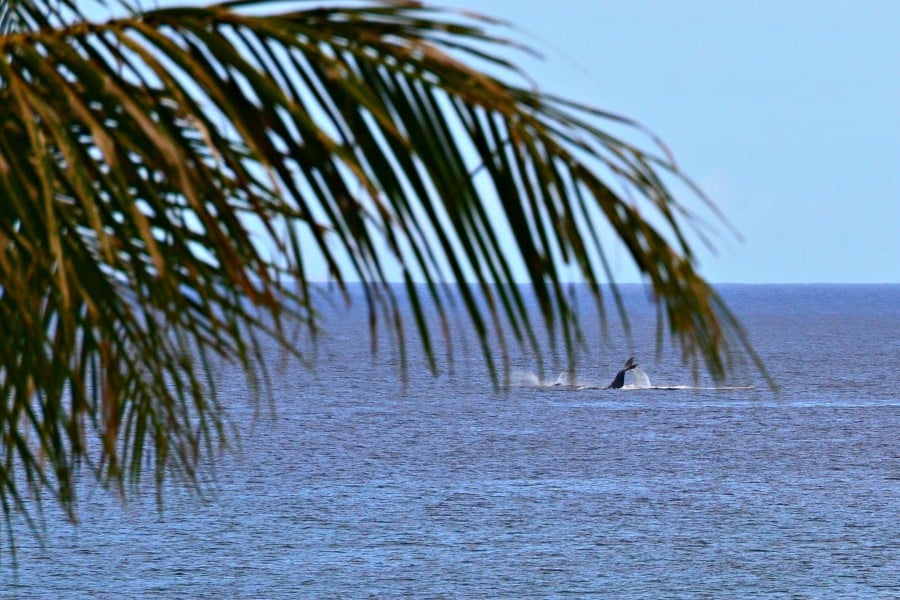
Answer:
(363, 485)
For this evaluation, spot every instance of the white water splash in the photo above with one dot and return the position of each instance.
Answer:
(566, 381)
(641, 380)
(566, 378)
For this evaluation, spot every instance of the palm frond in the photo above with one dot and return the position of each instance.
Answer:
(168, 178)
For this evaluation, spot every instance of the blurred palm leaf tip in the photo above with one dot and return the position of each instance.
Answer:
(170, 177)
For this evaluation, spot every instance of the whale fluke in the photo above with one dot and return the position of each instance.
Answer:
(619, 381)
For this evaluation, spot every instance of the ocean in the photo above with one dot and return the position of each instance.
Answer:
(358, 482)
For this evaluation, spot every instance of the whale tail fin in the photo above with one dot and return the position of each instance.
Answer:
(619, 381)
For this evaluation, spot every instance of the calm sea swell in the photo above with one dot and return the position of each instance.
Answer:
(365, 487)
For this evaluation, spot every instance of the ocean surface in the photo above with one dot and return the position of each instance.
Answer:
(356, 484)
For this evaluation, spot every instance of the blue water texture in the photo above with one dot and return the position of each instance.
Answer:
(354, 483)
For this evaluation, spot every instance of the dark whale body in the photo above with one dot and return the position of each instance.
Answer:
(619, 381)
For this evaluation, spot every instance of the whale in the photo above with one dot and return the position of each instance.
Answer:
(619, 380)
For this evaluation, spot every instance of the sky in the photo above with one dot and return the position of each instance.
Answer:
(786, 113)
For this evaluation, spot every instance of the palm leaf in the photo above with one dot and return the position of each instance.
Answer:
(150, 164)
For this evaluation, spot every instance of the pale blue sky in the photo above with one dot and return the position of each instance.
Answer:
(787, 113)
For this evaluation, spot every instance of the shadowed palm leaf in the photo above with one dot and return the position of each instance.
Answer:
(168, 178)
